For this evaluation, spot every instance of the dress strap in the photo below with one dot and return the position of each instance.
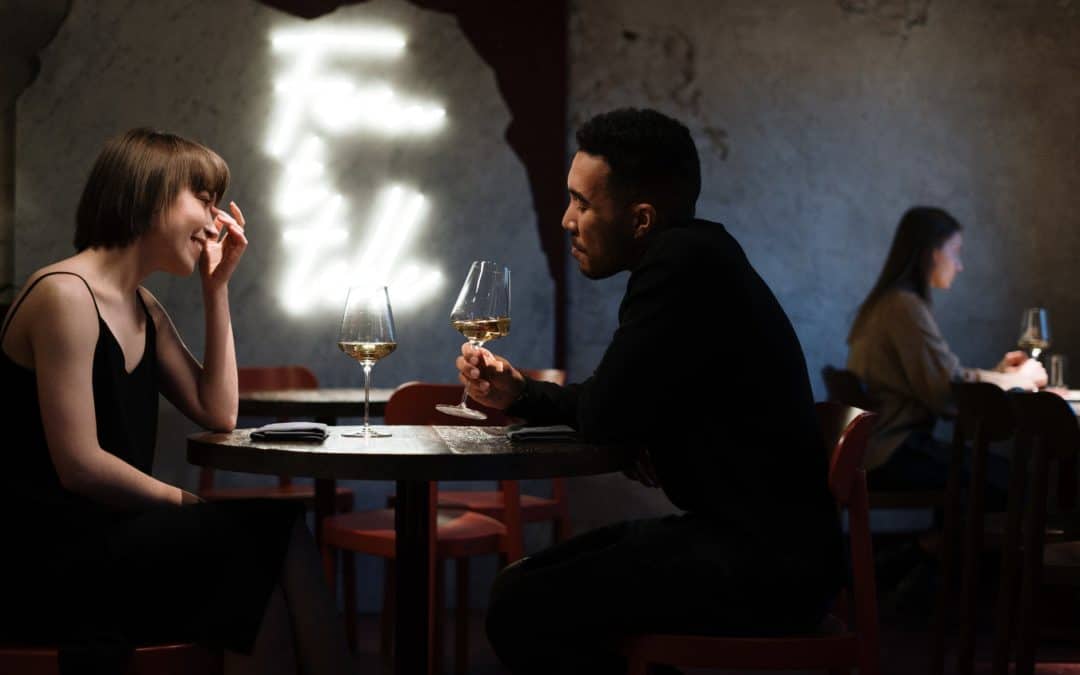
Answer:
(142, 302)
(11, 314)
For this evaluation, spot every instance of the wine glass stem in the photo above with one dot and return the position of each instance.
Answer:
(367, 395)
(477, 344)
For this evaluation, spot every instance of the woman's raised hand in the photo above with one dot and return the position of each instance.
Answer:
(220, 257)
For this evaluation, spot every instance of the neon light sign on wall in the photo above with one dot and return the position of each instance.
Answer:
(317, 98)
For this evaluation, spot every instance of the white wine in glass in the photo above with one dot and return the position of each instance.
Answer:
(367, 335)
(481, 314)
(1034, 331)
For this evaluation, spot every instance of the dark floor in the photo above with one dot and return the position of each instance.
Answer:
(905, 636)
(904, 649)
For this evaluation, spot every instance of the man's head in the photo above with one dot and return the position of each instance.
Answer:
(635, 172)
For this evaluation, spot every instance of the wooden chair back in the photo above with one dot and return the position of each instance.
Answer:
(844, 386)
(1047, 430)
(272, 378)
(414, 403)
(983, 416)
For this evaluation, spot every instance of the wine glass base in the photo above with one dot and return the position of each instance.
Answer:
(367, 433)
(460, 411)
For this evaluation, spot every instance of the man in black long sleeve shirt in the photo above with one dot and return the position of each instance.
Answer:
(757, 549)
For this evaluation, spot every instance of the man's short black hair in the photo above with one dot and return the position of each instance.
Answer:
(652, 158)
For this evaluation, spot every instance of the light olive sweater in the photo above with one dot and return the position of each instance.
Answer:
(901, 356)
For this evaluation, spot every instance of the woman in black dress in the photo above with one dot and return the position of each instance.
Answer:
(102, 556)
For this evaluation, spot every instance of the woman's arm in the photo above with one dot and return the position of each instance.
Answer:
(207, 392)
(63, 334)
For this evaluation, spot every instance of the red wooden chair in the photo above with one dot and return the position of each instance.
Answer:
(844, 386)
(460, 533)
(172, 659)
(270, 378)
(1047, 431)
(492, 502)
(846, 431)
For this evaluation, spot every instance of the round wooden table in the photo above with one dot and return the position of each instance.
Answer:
(416, 457)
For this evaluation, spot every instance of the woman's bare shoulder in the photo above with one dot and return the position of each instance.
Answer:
(54, 294)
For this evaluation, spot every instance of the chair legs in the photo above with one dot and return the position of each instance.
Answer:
(437, 619)
(386, 619)
(461, 620)
(348, 588)
(560, 529)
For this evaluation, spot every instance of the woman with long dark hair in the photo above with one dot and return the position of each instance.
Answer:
(895, 347)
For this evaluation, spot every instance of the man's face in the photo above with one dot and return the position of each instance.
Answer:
(601, 230)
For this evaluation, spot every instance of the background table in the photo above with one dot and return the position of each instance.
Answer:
(326, 405)
(415, 457)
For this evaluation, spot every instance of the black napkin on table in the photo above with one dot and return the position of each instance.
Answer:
(291, 431)
(558, 432)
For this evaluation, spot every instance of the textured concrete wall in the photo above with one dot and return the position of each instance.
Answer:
(819, 123)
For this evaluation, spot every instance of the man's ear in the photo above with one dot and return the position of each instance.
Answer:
(644, 219)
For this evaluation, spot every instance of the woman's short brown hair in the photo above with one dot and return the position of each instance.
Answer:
(136, 176)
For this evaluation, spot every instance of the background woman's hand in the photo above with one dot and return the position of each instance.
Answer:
(489, 379)
(220, 258)
(1011, 362)
(1033, 372)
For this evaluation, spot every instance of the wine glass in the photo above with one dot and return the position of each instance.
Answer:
(481, 313)
(1034, 331)
(367, 335)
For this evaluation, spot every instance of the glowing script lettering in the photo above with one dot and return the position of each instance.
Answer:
(317, 97)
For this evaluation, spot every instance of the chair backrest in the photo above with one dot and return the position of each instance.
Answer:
(414, 403)
(984, 414)
(269, 378)
(1048, 417)
(555, 375)
(846, 431)
(844, 386)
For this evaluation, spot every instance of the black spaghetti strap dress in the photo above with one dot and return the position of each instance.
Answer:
(97, 581)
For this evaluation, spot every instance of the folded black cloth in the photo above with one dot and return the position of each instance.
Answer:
(558, 432)
(291, 431)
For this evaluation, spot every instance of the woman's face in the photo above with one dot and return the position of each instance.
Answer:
(182, 230)
(947, 262)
